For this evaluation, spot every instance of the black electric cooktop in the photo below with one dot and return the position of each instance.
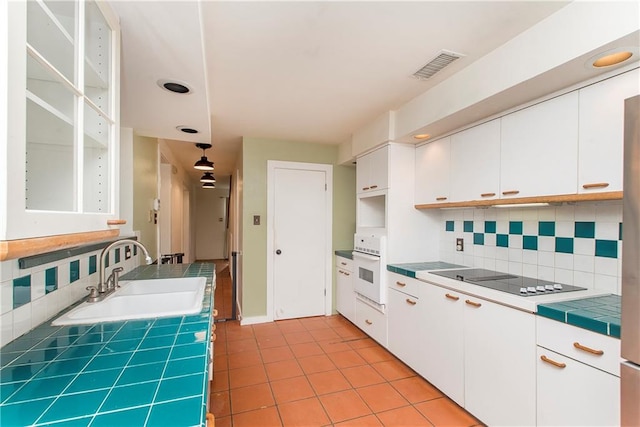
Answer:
(517, 285)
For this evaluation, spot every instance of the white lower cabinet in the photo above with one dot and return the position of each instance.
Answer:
(405, 337)
(499, 363)
(371, 321)
(345, 296)
(443, 337)
(577, 382)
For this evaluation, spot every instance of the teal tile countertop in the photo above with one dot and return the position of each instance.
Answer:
(151, 372)
(409, 269)
(597, 314)
(345, 253)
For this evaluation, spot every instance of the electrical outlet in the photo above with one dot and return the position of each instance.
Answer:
(459, 244)
(256, 220)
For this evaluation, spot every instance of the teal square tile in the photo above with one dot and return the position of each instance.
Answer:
(24, 413)
(186, 412)
(7, 357)
(39, 355)
(546, 228)
(157, 342)
(124, 346)
(530, 242)
(74, 271)
(94, 381)
(7, 390)
(620, 231)
(85, 350)
(74, 405)
(502, 240)
(449, 226)
(564, 245)
(63, 367)
(489, 226)
(95, 338)
(478, 238)
(38, 389)
(129, 334)
(128, 417)
(51, 279)
(607, 248)
(107, 259)
(93, 264)
(515, 227)
(141, 373)
(203, 326)
(130, 395)
(21, 291)
(585, 230)
(117, 256)
(135, 250)
(614, 329)
(191, 365)
(587, 320)
(467, 226)
(109, 361)
(188, 350)
(551, 312)
(180, 387)
(142, 357)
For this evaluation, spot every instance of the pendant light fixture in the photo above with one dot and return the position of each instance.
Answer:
(208, 177)
(208, 185)
(203, 164)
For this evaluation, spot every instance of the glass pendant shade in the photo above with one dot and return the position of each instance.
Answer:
(208, 177)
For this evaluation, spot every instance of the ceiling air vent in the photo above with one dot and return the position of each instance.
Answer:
(441, 60)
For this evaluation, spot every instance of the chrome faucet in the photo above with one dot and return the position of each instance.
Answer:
(108, 285)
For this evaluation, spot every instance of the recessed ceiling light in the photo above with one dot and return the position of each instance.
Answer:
(186, 129)
(174, 86)
(612, 57)
(422, 136)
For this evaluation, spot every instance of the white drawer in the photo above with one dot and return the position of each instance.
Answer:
(591, 348)
(403, 283)
(372, 322)
(344, 263)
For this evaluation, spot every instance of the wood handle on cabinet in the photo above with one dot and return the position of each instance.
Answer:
(595, 185)
(211, 420)
(587, 349)
(116, 221)
(214, 327)
(487, 194)
(410, 301)
(452, 297)
(343, 263)
(475, 304)
(215, 312)
(440, 199)
(368, 322)
(365, 188)
(402, 285)
(373, 187)
(553, 362)
(213, 337)
(346, 274)
(510, 192)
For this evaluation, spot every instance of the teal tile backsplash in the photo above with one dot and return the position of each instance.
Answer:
(51, 279)
(573, 244)
(74, 271)
(21, 291)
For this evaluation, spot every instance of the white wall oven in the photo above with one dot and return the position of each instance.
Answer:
(369, 262)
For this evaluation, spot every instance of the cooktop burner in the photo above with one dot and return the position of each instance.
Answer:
(518, 285)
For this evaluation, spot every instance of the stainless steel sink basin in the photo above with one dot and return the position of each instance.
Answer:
(141, 299)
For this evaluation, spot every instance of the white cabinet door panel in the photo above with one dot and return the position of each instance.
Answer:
(432, 172)
(405, 328)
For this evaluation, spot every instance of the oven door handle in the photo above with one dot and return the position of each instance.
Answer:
(365, 256)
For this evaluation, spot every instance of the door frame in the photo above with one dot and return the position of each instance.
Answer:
(272, 165)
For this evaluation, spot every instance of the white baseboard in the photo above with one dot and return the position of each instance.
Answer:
(254, 320)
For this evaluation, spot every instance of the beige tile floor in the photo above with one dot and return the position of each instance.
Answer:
(318, 371)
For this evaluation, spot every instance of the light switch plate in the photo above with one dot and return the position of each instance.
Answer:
(256, 220)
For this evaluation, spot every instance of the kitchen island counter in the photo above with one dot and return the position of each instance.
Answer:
(138, 372)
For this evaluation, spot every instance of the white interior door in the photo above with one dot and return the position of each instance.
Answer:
(300, 239)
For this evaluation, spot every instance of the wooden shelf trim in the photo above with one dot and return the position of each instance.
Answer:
(116, 221)
(561, 198)
(11, 249)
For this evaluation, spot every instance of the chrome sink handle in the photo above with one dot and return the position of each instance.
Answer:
(114, 277)
(102, 284)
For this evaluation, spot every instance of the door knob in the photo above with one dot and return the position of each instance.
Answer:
(278, 252)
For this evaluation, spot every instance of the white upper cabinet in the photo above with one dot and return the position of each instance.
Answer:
(433, 162)
(539, 149)
(63, 133)
(475, 163)
(372, 172)
(601, 129)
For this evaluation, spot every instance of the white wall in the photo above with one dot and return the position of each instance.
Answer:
(211, 222)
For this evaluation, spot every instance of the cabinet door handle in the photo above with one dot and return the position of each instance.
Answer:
(475, 304)
(587, 349)
(553, 362)
(441, 198)
(343, 263)
(373, 187)
(213, 337)
(452, 297)
(346, 274)
(410, 301)
(365, 188)
(368, 322)
(488, 194)
(215, 312)
(510, 192)
(595, 185)
(402, 285)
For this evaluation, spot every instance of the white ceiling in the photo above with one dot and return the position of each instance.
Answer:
(297, 71)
